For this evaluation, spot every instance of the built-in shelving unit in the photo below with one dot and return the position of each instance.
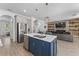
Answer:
(74, 26)
(51, 26)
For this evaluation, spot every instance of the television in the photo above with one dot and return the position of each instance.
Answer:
(60, 25)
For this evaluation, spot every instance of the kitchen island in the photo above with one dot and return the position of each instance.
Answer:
(42, 44)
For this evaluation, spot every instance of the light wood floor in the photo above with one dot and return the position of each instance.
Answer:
(12, 49)
(63, 49)
(68, 48)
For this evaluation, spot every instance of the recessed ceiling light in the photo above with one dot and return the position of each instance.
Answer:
(36, 9)
(47, 17)
(9, 9)
(74, 14)
(24, 10)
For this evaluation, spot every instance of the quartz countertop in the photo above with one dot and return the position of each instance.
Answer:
(48, 38)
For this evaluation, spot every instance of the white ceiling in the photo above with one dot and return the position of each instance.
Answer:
(55, 11)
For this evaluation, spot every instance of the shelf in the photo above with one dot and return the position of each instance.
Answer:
(74, 26)
(50, 26)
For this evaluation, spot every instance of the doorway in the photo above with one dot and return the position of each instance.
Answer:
(6, 30)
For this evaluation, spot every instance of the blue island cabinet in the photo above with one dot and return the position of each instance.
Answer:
(42, 48)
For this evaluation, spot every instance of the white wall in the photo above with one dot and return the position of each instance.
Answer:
(19, 18)
(5, 12)
(40, 26)
(27, 20)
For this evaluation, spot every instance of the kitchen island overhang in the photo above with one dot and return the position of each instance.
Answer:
(48, 38)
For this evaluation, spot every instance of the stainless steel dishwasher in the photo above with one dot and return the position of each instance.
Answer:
(25, 45)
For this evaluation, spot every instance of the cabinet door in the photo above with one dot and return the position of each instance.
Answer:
(31, 45)
(34, 46)
(55, 47)
(37, 47)
(46, 48)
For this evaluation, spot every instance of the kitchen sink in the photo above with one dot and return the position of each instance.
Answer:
(40, 36)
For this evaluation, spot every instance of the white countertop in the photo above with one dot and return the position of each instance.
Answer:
(48, 38)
